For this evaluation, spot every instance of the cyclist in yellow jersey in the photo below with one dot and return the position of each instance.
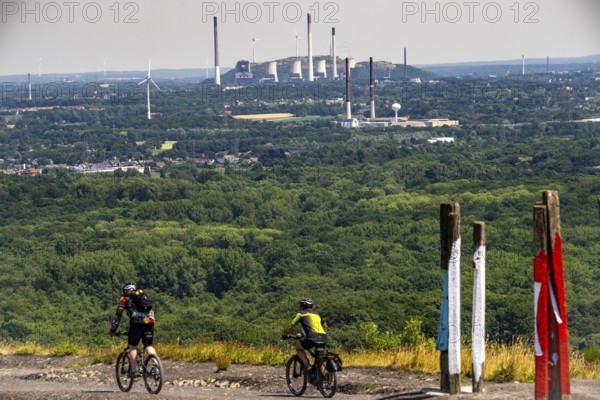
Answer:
(313, 326)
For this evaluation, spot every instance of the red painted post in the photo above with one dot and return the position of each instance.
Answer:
(558, 346)
(541, 296)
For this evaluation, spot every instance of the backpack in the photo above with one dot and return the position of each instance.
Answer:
(142, 301)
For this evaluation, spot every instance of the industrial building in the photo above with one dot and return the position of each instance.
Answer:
(243, 73)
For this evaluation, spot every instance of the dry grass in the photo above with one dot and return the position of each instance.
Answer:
(504, 363)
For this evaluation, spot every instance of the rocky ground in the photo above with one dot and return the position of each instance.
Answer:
(35, 377)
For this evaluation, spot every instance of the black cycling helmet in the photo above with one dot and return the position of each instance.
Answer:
(306, 303)
(128, 287)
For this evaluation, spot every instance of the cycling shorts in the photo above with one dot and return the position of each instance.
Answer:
(309, 344)
(143, 332)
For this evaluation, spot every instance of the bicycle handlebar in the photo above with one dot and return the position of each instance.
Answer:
(297, 336)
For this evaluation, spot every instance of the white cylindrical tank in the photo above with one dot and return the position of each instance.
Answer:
(322, 68)
(297, 69)
(273, 71)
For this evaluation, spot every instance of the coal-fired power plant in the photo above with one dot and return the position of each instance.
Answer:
(372, 86)
(217, 68)
(334, 54)
(311, 75)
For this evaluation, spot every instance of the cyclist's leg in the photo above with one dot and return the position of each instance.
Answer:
(148, 339)
(135, 335)
(300, 347)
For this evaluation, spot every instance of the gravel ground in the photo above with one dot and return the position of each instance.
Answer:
(49, 378)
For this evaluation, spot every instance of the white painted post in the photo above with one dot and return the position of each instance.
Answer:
(478, 318)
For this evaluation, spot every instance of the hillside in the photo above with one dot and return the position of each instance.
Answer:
(351, 221)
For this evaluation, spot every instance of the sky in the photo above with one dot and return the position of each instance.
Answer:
(71, 36)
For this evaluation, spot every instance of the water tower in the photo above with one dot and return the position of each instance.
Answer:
(396, 107)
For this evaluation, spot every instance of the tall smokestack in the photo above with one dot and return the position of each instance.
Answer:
(29, 84)
(372, 86)
(405, 63)
(523, 65)
(311, 72)
(217, 67)
(335, 73)
(348, 98)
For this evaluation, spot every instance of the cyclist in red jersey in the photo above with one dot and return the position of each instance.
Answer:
(141, 324)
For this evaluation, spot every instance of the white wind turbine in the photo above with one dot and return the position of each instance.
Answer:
(297, 37)
(147, 81)
(254, 40)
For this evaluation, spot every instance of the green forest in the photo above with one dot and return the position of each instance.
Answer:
(351, 221)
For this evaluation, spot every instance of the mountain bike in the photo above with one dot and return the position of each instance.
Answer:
(321, 374)
(150, 369)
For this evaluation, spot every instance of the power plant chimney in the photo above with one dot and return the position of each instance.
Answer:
(217, 68)
(311, 72)
(348, 98)
(335, 73)
(29, 84)
(405, 63)
(372, 86)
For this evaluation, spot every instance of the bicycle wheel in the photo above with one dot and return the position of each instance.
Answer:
(122, 369)
(326, 379)
(294, 376)
(153, 374)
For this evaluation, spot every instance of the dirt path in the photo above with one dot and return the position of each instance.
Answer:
(50, 378)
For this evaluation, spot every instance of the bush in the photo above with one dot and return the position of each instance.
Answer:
(592, 354)
(379, 341)
(412, 335)
(223, 362)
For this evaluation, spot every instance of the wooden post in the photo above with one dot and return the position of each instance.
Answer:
(558, 345)
(478, 318)
(541, 297)
(448, 340)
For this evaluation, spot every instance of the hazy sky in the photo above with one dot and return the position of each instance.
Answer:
(82, 35)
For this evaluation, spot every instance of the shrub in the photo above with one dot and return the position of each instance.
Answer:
(592, 354)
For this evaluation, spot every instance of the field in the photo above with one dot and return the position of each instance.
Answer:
(264, 117)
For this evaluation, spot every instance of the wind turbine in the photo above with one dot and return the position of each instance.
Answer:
(254, 40)
(147, 81)
(297, 37)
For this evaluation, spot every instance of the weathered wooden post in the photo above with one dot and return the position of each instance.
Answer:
(541, 296)
(448, 340)
(558, 345)
(478, 318)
